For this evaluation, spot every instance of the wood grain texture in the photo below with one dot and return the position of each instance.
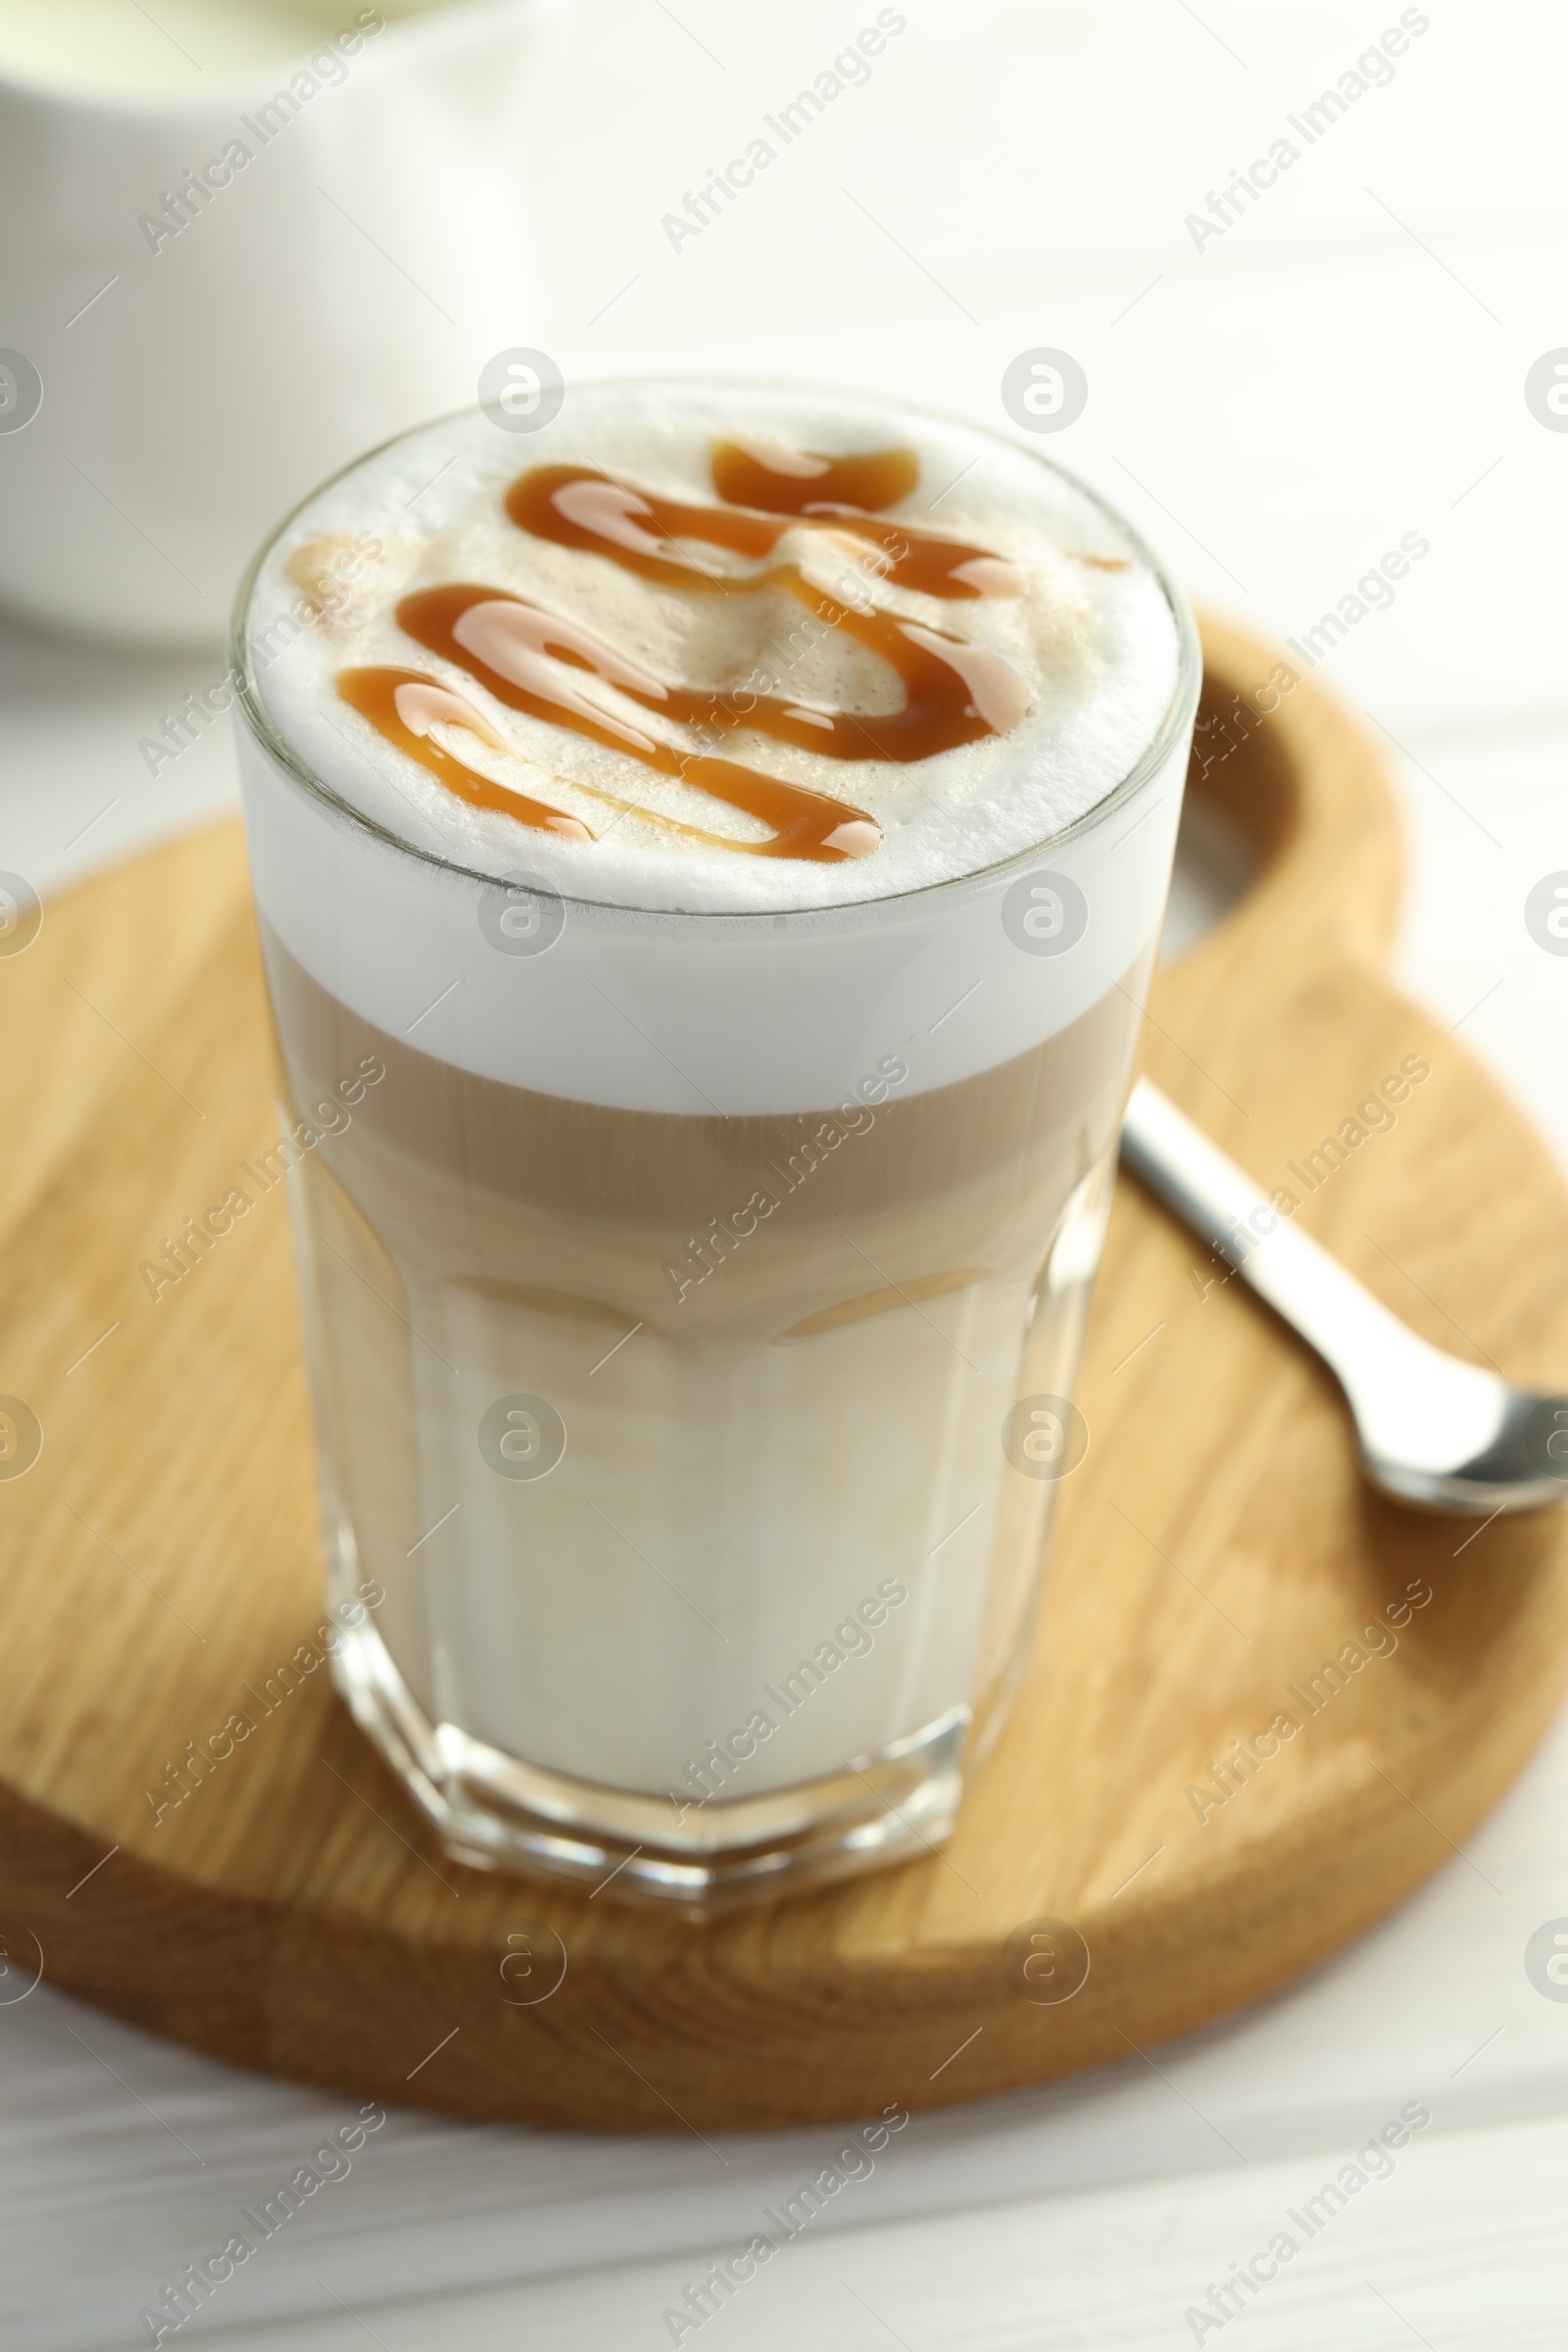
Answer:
(1216, 1547)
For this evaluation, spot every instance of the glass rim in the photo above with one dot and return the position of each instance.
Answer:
(1149, 763)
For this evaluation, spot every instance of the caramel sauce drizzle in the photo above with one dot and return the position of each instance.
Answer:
(514, 648)
(797, 481)
(540, 663)
(666, 540)
(403, 705)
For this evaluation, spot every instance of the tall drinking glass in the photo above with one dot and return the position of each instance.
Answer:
(693, 1305)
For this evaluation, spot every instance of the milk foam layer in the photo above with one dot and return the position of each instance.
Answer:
(751, 984)
(1090, 646)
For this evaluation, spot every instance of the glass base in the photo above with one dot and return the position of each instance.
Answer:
(495, 1813)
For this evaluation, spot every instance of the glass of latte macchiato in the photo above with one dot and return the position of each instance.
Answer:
(709, 847)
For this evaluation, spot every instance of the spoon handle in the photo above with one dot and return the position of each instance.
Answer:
(1353, 1332)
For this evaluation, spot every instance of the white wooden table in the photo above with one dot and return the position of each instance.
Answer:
(1275, 405)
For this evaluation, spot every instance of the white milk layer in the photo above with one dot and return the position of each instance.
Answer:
(652, 973)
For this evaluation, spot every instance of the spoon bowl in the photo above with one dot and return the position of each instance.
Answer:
(1434, 1432)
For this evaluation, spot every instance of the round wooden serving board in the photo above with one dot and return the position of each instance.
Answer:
(1213, 1552)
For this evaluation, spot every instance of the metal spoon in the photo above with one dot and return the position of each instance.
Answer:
(1434, 1431)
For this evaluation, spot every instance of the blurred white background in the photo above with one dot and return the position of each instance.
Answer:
(1344, 365)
